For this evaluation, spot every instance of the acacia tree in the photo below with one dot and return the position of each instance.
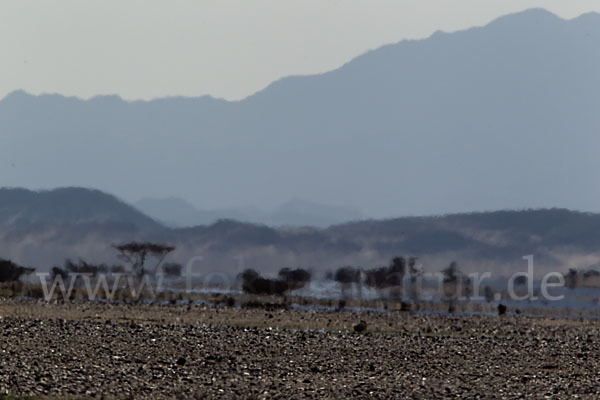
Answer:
(136, 253)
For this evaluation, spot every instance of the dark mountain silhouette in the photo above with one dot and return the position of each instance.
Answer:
(499, 117)
(23, 208)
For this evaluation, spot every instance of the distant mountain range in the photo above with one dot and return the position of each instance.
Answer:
(43, 228)
(498, 117)
(176, 212)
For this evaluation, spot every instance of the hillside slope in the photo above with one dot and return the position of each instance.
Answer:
(68, 206)
(42, 229)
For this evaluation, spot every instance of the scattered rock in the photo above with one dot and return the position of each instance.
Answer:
(360, 327)
(169, 353)
(501, 309)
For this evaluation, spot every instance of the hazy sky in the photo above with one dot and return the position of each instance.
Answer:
(226, 48)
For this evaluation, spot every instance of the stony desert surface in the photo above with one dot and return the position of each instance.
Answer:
(99, 350)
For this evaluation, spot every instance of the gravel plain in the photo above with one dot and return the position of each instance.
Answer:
(93, 350)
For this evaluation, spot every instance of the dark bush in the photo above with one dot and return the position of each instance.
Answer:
(230, 301)
(10, 272)
(451, 273)
(451, 307)
(591, 273)
(249, 275)
(253, 283)
(266, 286)
(456, 284)
(376, 277)
(396, 271)
(404, 306)
(384, 277)
(58, 271)
(501, 309)
(172, 269)
(347, 275)
(296, 278)
(117, 269)
(83, 267)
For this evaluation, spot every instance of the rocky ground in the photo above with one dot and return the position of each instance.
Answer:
(85, 350)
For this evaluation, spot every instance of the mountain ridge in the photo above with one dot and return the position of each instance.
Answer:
(491, 241)
(588, 16)
(461, 121)
(69, 205)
